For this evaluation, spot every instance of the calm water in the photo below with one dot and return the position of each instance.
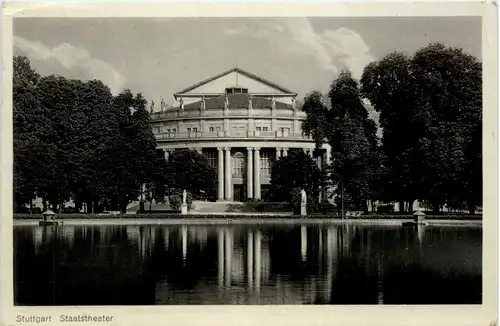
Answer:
(342, 264)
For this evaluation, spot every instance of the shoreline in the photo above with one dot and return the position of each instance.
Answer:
(244, 221)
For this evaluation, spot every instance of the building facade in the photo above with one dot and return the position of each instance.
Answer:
(242, 123)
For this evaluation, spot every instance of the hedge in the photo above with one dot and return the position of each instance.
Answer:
(232, 217)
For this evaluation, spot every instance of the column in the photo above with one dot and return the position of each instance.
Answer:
(227, 179)
(257, 173)
(327, 156)
(285, 151)
(249, 173)
(278, 153)
(220, 173)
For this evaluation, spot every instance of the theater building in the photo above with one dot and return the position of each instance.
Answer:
(241, 123)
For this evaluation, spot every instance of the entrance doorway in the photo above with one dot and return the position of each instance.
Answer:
(239, 193)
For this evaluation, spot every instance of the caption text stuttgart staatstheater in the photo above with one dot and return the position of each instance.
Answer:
(80, 318)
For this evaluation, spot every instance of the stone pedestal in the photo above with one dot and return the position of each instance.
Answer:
(419, 217)
(303, 210)
(184, 209)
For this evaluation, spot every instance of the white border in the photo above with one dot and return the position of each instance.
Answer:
(484, 314)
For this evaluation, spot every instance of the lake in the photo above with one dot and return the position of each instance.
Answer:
(247, 264)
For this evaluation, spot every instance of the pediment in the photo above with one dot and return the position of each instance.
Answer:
(235, 77)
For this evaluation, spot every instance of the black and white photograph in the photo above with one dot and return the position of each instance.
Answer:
(258, 160)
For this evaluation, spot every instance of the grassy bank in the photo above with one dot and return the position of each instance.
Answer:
(233, 217)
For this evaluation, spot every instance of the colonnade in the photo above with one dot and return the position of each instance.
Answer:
(253, 169)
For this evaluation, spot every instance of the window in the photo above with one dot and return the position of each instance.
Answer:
(189, 129)
(168, 130)
(195, 129)
(265, 128)
(238, 164)
(211, 129)
(282, 129)
(212, 158)
(258, 128)
(265, 164)
(235, 90)
(174, 130)
(217, 128)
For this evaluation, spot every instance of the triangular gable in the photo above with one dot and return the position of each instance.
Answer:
(235, 77)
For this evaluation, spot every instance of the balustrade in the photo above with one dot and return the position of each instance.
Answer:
(232, 134)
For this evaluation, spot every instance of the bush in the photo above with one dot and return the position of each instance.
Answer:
(175, 202)
(243, 217)
(296, 198)
(384, 209)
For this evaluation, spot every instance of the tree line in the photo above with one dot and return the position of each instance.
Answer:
(74, 140)
(430, 107)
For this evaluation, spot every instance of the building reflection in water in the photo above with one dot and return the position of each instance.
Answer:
(303, 242)
(311, 264)
(184, 236)
(250, 261)
(244, 258)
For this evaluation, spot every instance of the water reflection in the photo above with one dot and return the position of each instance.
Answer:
(335, 264)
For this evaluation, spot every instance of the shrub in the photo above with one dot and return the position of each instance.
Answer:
(243, 217)
(175, 202)
(296, 198)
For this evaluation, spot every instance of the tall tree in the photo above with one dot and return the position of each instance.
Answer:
(27, 119)
(352, 136)
(430, 112)
(73, 139)
(388, 85)
(448, 83)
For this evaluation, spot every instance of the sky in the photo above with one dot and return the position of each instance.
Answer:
(160, 56)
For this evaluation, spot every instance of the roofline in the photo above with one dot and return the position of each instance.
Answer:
(237, 69)
(221, 94)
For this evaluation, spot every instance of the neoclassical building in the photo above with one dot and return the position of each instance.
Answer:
(241, 123)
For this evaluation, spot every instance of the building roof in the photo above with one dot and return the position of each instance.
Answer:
(235, 101)
(242, 72)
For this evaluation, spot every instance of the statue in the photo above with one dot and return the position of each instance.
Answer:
(303, 197)
(181, 101)
(184, 207)
(303, 203)
(203, 103)
(273, 103)
(162, 105)
(250, 102)
(152, 107)
(294, 104)
(226, 102)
